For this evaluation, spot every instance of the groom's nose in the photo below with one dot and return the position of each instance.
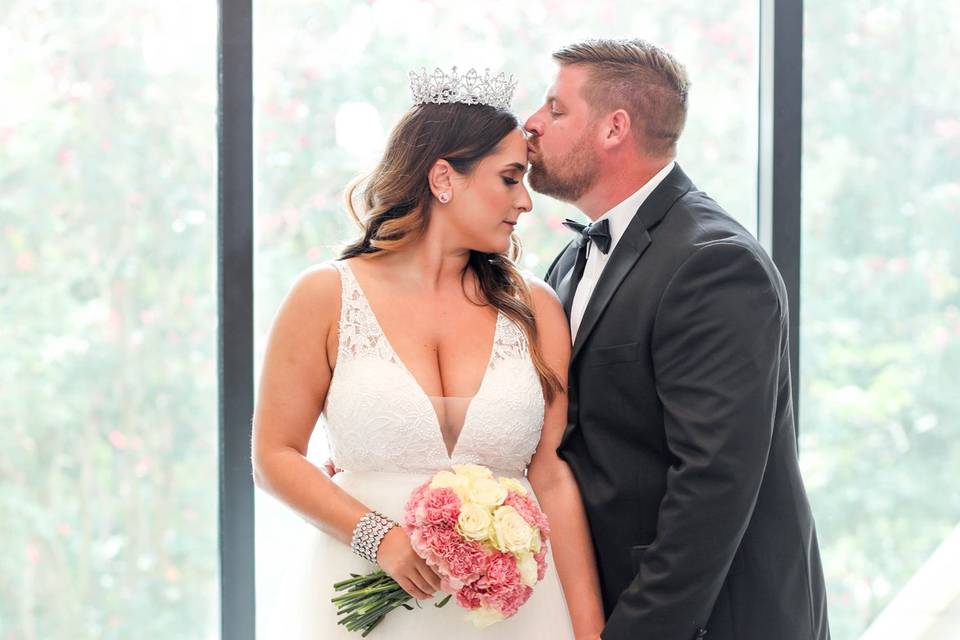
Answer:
(533, 125)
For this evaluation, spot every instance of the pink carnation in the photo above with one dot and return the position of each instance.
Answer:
(431, 507)
(468, 598)
(509, 598)
(441, 507)
(410, 509)
(444, 542)
(502, 570)
(433, 544)
(541, 558)
(467, 561)
(529, 511)
(499, 587)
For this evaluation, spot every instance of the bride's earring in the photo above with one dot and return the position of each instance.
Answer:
(444, 197)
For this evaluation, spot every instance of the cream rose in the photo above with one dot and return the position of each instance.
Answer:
(474, 522)
(527, 565)
(448, 479)
(472, 471)
(512, 484)
(488, 493)
(510, 531)
(484, 617)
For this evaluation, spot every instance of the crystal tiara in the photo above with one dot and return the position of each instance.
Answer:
(470, 88)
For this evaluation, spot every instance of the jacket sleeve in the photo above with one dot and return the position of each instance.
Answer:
(717, 342)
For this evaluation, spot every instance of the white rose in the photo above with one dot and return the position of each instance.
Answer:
(483, 617)
(474, 522)
(488, 493)
(535, 540)
(527, 565)
(448, 479)
(512, 484)
(472, 471)
(510, 531)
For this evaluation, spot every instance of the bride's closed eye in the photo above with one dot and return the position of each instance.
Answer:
(510, 181)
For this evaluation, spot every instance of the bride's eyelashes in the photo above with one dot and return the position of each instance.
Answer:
(510, 181)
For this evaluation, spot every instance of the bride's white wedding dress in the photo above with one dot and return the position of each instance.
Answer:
(386, 435)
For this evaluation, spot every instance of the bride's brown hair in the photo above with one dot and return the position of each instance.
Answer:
(392, 205)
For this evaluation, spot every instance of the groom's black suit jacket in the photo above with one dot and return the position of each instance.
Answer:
(681, 432)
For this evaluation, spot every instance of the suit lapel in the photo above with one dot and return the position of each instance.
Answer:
(561, 272)
(563, 289)
(631, 246)
(634, 242)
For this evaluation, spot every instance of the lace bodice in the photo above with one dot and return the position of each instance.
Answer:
(378, 418)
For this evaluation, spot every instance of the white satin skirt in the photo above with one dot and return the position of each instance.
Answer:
(304, 611)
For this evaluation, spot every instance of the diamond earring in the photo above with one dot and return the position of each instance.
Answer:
(444, 197)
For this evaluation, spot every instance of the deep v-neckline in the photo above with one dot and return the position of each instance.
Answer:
(423, 395)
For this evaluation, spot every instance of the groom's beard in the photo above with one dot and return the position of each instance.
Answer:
(569, 177)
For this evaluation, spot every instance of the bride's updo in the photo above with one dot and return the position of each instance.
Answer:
(392, 203)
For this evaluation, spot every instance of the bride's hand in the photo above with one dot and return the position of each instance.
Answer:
(401, 562)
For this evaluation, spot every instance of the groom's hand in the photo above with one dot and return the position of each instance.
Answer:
(330, 469)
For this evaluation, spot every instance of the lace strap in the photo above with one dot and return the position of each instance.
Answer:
(360, 333)
(348, 310)
(511, 342)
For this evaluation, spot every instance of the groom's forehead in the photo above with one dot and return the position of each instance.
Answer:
(566, 83)
(553, 92)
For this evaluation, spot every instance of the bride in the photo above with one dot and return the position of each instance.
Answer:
(423, 346)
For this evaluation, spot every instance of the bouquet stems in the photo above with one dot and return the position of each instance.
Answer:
(366, 600)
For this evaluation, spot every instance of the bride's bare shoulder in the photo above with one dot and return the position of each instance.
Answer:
(315, 292)
(545, 299)
(322, 279)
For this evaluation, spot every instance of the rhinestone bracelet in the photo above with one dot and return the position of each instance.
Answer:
(368, 534)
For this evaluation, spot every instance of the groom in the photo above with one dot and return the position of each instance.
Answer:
(680, 427)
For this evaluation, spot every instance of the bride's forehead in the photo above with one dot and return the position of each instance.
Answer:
(513, 144)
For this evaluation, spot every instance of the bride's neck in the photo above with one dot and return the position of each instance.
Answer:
(426, 265)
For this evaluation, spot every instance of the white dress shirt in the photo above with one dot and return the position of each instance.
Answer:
(619, 217)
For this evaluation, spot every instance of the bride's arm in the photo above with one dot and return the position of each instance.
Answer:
(293, 386)
(554, 483)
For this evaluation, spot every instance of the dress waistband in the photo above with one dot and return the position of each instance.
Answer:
(425, 475)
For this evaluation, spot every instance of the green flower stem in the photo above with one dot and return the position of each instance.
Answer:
(360, 580)
(368, 591)
(368, 599)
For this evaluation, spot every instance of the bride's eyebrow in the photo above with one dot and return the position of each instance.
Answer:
(516, 165)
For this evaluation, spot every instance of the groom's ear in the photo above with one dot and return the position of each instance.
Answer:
(616, 129)
(440, 176)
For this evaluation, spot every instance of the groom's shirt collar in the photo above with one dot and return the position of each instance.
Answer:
(621, 214)
(619, 217)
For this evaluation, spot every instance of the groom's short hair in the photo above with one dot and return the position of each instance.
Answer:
(635, 75)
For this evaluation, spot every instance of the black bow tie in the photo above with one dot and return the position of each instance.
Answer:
(599, 232)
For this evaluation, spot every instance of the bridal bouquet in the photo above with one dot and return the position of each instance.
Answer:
(485, 538)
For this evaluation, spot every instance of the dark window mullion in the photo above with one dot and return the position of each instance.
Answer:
(778, 184)
(235, 316)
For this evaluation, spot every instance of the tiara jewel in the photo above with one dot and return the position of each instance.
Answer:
(470, 88)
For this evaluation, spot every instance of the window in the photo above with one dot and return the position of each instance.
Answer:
(880, 314)
(108, 466)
